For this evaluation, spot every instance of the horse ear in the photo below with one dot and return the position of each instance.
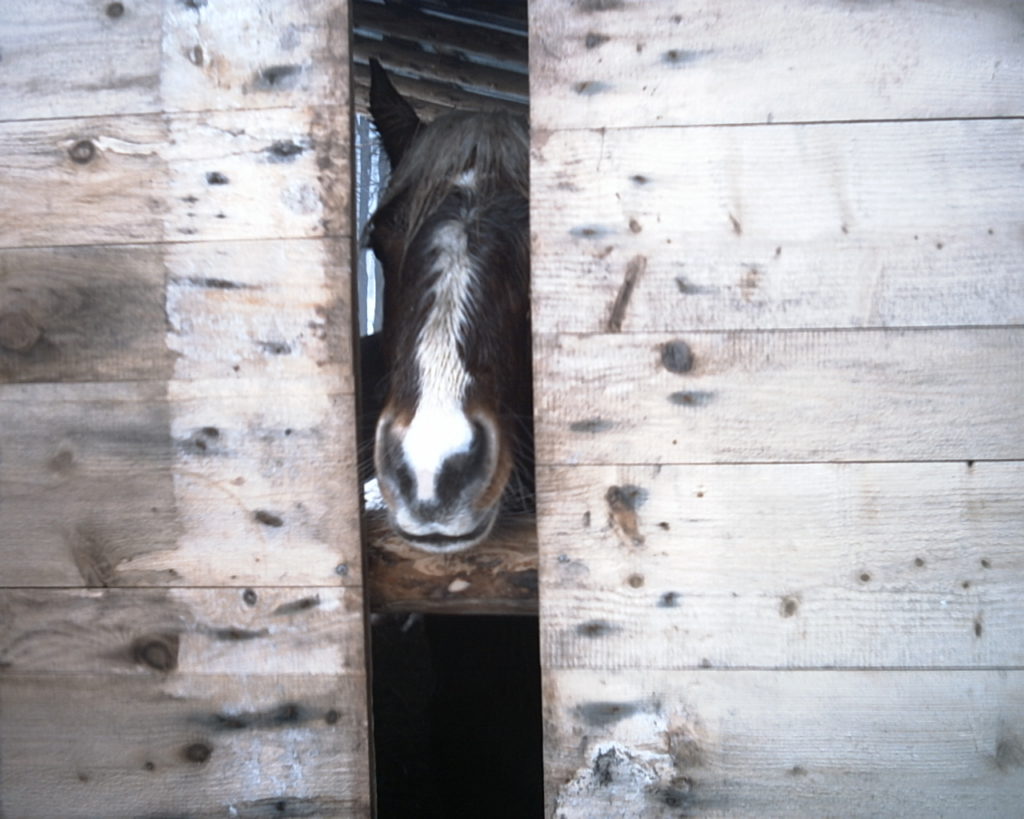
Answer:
(395, 119)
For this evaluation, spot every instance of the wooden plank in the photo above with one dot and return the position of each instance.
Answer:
(936, 394)
(276, 173)
(864, 225)
(768, 743)
(148, 312)
(782, 565)
(453, 39)
(430, 99)
(742, 61)
(497, 577)
(204, 745)
(136, 632)
(423, 65)
(232, 482)
(170, 56)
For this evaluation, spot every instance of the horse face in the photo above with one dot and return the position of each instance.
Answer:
(440, 448)
(456, 321)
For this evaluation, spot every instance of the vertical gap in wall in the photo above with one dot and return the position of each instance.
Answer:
(456, 698)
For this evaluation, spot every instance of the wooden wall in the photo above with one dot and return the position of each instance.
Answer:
(181, 615)
(778, 283)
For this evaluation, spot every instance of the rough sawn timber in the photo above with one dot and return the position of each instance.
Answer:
(726, 743)
(180, 572)
(168, 55)
(795, 395)
(861, 565)
(838, 225)
(497, 577)
(745, 61)
(778, 362)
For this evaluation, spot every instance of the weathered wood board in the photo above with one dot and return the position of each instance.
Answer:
(190, 631)
(273, 173)
(777, 303)
(636, 63)
(186, 310)
(841, 225)
(783, 744)
(181, 603)
(497, 577)
(128, 702)
(887, 565)
(169, 55)
(181, 483)
(205, 745)
(924, 394)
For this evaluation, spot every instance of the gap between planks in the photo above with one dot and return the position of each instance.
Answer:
(776, 124)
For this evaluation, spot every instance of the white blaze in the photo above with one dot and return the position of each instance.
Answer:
(440, 429)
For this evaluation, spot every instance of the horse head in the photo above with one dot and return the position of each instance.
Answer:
(452, 235)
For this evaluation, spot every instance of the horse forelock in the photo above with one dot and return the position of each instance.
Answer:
(495, 146)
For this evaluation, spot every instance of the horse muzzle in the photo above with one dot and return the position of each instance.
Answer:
(441, 476)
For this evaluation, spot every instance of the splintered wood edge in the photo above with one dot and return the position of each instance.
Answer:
(497, 577)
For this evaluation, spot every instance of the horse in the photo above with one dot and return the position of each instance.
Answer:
(453, 443)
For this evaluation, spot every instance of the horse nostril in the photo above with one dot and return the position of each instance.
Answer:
(465, 468)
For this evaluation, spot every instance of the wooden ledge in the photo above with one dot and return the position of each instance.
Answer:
(497, 577)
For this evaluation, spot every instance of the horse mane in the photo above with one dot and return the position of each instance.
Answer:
(495, 145)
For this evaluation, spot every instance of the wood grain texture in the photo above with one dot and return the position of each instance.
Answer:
(191, 311)
(234, 482)
(135, 58)
(777, 301)
(882, 395)
(274, 173)
(841, 225)
(768, 743)
(743, 61)
(497, 577)
(782, 566)
(257, 745)
(147, 632)
(177, 414)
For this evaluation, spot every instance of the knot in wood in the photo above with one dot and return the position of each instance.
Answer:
(677, 357)
(82, 151)
(18, 331)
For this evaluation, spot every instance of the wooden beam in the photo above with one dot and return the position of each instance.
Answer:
(409, 60)
(497, 577)
(429, 98)
(442, 35)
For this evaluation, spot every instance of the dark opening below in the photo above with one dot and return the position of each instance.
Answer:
(457, 716)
